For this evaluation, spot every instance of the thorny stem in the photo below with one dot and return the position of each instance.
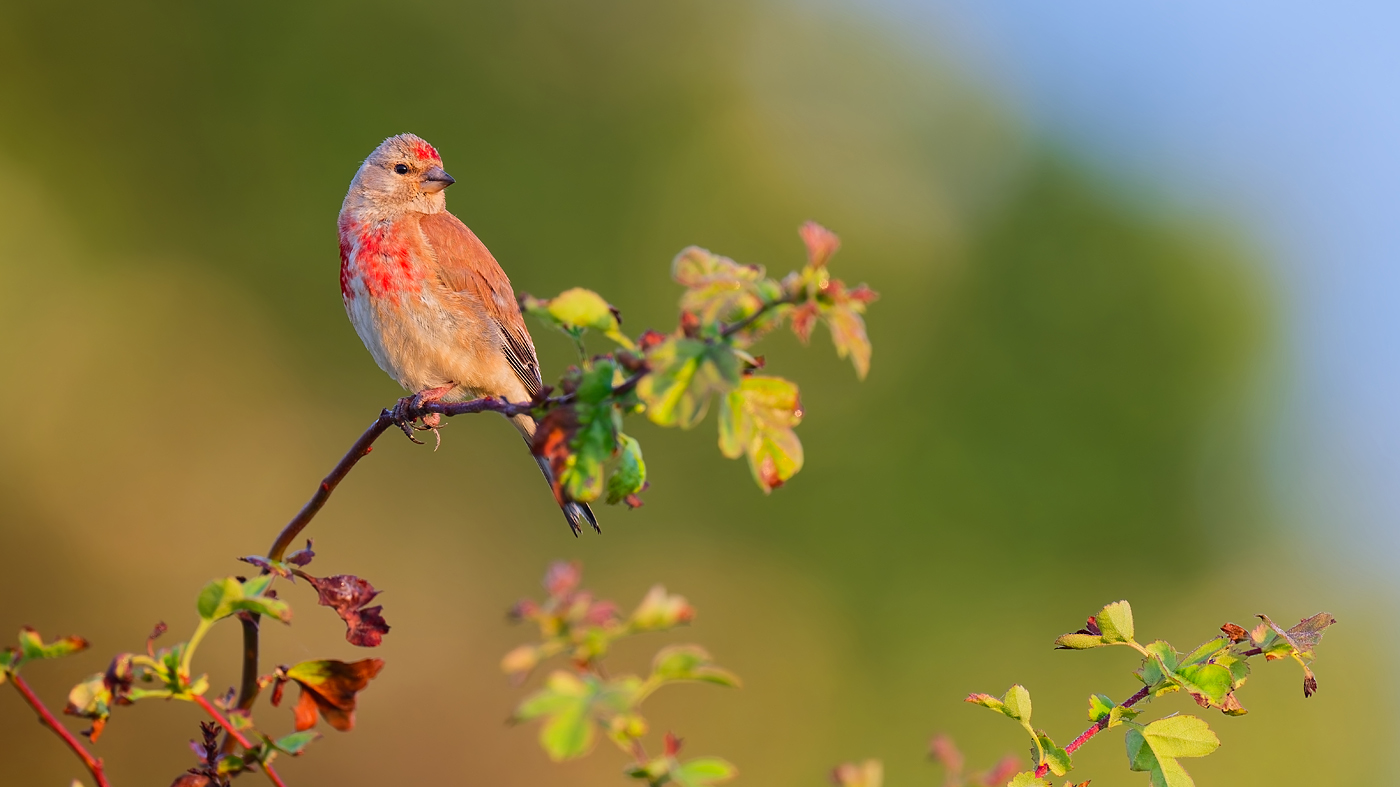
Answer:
(238, 736)
(94, 764)
(248, 688)
(1099, 727)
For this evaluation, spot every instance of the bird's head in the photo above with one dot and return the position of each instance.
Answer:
(403, 175)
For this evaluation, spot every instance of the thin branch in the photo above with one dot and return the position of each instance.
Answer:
(209, 708)
(94, 764)
(752, 318)
(1094, 730)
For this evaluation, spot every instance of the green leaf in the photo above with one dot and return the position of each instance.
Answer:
(32, 646)
(1116, 622)
(296, 743)
(1169, 773)
(1140, 756)
(1120, 714)
(1017, 703)
(1027, 779)
(593, 446)
(684, 375)
(1207, 650)
(1180, 736)
(717, 288)
(660, 610)
(690, 662)
(577, 310)
(1014, 704)
(571, 706)
(1156, 747)
(213, 602)
(630, 476)
(1151, 671)
(223, 597)
(1100, 706)
(757, 420)
(702, 772)
(1057, 758)
(1211, 681)
(91, 699)
(582, 308)
(1079, 641)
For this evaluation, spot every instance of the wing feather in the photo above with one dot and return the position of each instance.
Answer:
(465, 265)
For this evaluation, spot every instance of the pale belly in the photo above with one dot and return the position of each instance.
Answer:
(423, 342)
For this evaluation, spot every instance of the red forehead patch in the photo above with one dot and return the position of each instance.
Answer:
(423, 150)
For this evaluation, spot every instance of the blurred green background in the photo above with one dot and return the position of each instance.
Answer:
(1070, 389)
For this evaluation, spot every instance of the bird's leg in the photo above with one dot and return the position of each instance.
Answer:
(406, 412)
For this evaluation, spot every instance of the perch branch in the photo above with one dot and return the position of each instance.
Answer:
(248, 688)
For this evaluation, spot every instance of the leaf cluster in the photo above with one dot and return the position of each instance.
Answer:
(581, 702)
(328, 687)
(1210, 674)
(674, 378)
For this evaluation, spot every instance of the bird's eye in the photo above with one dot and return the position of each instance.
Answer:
(402, 169)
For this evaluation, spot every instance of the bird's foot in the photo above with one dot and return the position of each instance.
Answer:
(408, 411)
(404, 418)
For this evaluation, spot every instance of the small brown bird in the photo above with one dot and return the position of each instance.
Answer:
(426, 297)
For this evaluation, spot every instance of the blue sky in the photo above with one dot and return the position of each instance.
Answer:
(1285, 114)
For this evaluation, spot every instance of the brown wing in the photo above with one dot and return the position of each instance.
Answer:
(466, 265)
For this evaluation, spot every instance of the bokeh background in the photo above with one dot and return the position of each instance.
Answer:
(1133, 342)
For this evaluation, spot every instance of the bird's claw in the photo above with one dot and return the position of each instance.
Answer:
(405, 417)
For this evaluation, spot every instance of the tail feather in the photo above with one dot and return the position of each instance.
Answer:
(577, 514)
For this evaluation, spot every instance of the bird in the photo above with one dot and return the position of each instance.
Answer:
(430, 303)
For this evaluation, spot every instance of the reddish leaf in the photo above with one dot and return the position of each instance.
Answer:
(717, 288)
(650, 339)
(330, 687)
(349, 595)
(305, 711)
(1004, 770)
(804, 319)
(671, 744)
(942, 749)
(821, 243)
(1234, 632)
(552, 439)
(302, 557)
(562, 577)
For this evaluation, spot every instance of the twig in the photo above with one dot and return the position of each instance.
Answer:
(209, 708)
(749, 320)
(1094, 730)
(94, 764)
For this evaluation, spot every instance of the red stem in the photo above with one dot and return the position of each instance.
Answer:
(1094, 730)
(238, 736)
(94, 765)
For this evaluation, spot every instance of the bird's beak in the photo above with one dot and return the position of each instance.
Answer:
(436, 179)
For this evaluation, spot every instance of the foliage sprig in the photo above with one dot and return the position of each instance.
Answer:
(1210, 674)
(579, 702)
